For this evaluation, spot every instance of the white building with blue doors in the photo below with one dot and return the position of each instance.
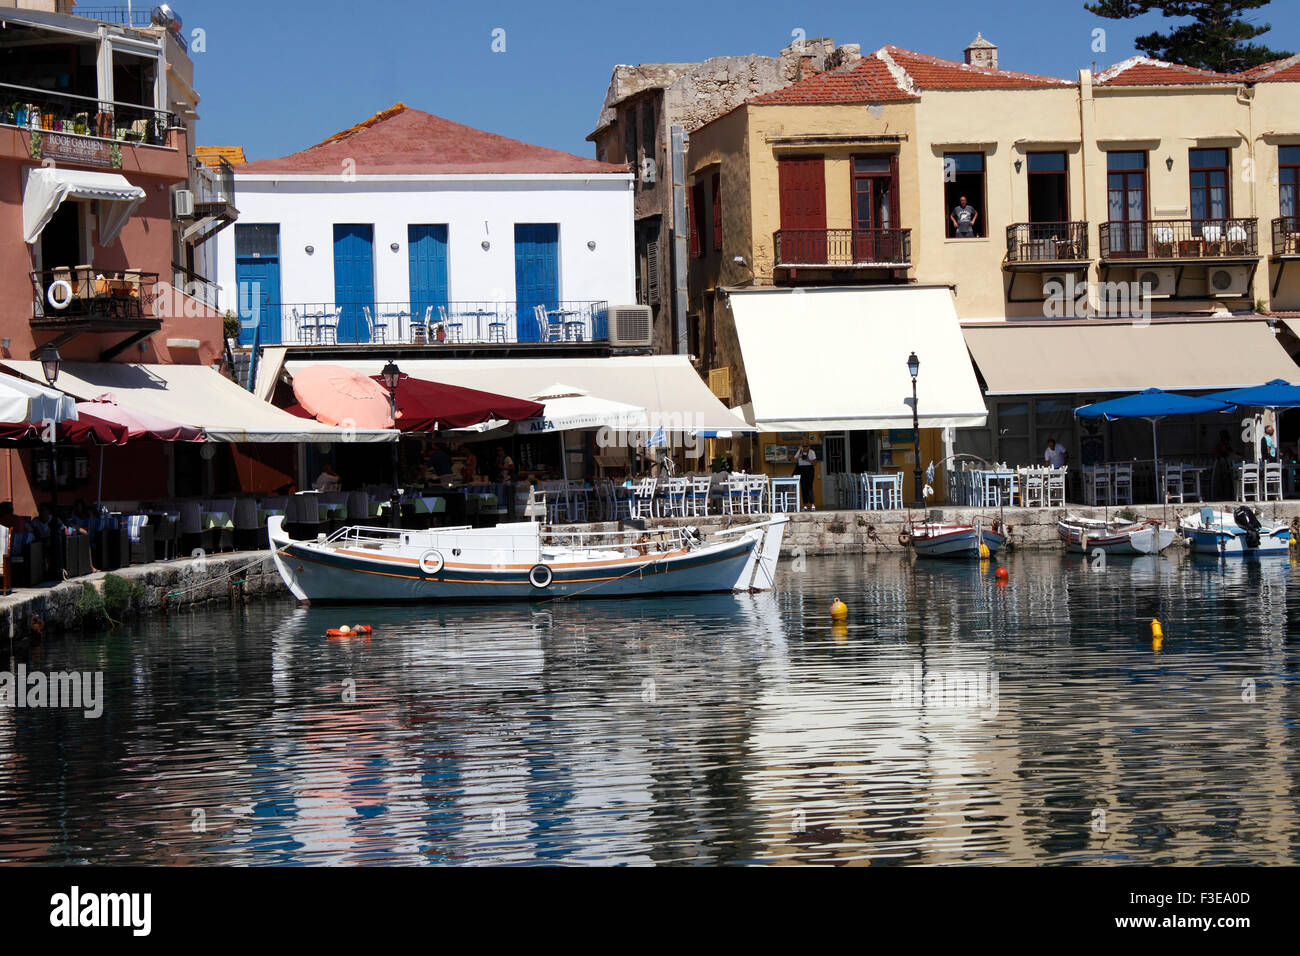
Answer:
(411, 228)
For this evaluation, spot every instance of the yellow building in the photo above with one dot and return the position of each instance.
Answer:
(1099, 234)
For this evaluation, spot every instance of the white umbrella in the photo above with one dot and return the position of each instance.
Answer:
(23, 401)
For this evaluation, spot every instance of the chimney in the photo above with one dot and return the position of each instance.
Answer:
(982, 53)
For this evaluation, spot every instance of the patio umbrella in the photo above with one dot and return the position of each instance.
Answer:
(1153, 405)
(139, 424)
(335, 395)
(1274, 394)
(24, 401)
(84, 430)
(424, 406)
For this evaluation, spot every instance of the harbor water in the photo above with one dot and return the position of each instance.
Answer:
(951, 719)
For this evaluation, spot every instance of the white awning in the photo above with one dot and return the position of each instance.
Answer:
(195, 395)
(48, 186)
(1045, 358)
(666, 386)
(836, 359)
(24, 401)
(270, 363)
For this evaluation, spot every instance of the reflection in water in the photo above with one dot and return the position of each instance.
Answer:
(951, 719)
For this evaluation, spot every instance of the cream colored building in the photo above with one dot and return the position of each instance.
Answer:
(1150, 196)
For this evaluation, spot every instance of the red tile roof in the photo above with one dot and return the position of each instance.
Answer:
(893, 73)
(404, 141)
(1144, 71)
(1278, 71)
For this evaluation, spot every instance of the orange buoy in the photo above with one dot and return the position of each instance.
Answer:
(1001, 573)
(349, 630)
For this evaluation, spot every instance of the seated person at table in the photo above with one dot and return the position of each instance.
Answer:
(328, 479)
(439, 460)
(1055, 454)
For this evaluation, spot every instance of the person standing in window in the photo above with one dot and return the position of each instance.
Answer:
(1054, 454)
(963, 219)
(805, 462)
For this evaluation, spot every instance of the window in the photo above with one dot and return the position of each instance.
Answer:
(255, 240)
(629, 136)
(1126, 184)
(1209, 176)
(717, 210)
(1049, 187)
(1288, 175)
(801, 184)
(1013, 433)
(875, 208)
(963, 179)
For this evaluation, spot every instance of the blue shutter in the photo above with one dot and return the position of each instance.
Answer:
(537, 274)
(427, 247)
(354, 279)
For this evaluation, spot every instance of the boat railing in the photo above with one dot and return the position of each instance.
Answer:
(357, 534)
(657, 539)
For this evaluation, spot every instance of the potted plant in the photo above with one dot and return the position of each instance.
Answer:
(81, 123)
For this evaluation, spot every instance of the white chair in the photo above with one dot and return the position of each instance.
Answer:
(1171, 484)
(756, 493)
(1056, 487)
(1272, 481)
(535, 509)
(1248, 481)
(643, 499)
(452, 329)
(548, 330)
(866, 493)
(894, 492)
(784, 497)
(1098, 487)
(675, 490)
(576, 496)
(699, 496)
(378, 330)
(1032, 483)
(1122, 484)
(734, 495)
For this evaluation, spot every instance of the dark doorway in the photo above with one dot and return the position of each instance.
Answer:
(61, 238)
(1048, 188)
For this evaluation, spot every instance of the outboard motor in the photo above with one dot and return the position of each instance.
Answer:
(1248, 521)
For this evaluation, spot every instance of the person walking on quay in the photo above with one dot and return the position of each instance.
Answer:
(805, 466)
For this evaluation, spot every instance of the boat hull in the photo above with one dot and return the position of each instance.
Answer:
(959, 542)
(1217, 533)
(325, 572)
(1086, 539)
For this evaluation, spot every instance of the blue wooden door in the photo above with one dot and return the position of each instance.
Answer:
(427, 247)
(537, 274)
(354, 279)
(257, 281)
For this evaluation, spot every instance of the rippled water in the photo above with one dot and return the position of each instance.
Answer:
(951, 720)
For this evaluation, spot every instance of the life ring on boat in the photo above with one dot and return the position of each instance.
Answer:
(431, 562)
(540, 576)
(904, 538)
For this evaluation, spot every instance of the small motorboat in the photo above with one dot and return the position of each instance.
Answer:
(955, 540)
(523, 561)
(1233, 534)
(1086, 535)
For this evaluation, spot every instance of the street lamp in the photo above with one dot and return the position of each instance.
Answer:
(914, 366)
(392, 375)
(50, 364)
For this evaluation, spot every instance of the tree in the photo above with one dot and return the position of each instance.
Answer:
(1218, 38)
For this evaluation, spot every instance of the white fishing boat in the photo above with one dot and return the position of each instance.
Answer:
(955, 540)
(523, 561)
(1086, 535)
(1233, 534)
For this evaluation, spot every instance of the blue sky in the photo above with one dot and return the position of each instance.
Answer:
(277, 77)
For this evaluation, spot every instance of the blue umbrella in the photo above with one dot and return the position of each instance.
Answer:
(1153, 405)
(1274, 394)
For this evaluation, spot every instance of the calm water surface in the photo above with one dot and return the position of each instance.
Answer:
(951, 721)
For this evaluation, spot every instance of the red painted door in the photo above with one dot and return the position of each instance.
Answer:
(802, 185)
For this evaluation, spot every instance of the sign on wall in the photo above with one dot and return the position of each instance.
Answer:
(82, 150)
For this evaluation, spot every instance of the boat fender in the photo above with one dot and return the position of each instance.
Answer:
(904, 538)
(1001, 573)
(984, 551)
(1295, 533)
(348, 630)
(839, 610)
(540, 576)
(431, 562)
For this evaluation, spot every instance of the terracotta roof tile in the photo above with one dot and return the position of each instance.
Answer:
(404, 141)
(1144, 71)
(1286, 70)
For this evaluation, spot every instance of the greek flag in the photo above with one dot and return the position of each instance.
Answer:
(929, 474)
(658, 438)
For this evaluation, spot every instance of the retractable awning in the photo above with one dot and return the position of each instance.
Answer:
(666, 386)
(1106, 356)
(836, 359)
(49, 186)
(194, 395)
(24, 401)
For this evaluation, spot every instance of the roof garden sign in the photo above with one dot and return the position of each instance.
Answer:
(82, 150)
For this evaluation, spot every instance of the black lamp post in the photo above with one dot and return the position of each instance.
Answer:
(50, 363)
(392, 375)
(914, 366)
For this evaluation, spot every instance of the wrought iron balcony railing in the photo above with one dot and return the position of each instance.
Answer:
(85, 294)
(1047, 242)
(1180, 239)
(422, 323)
(49, 111)
(1286, 236)
(843, 248)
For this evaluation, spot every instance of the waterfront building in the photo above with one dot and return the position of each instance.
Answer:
(827, 210)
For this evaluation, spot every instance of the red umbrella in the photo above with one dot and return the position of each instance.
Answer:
(424, 406)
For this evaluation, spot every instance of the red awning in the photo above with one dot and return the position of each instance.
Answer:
(86, 430)
(424, 406)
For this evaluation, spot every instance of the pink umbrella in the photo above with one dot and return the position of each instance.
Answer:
(335, 395)
(140, 424)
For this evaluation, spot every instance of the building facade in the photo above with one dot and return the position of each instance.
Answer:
(1148, 195)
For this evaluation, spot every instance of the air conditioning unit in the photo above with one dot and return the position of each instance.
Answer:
(183, 204)
(1228, 282)
(1158, 283)
(630, 325)
(649, 171)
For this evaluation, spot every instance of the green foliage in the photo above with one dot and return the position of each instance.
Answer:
(120, 595)
(90, 606)
(230, 325)
(1217, 38)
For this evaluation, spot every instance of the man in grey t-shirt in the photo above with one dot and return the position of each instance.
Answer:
(963, 218)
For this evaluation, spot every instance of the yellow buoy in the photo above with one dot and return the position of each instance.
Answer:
(1156, 630)
(984, 550)
(839, 610)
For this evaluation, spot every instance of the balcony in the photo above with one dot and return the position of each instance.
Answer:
(1180, 240)
(1047, 243)
(85, 300)
(47, 112)
(489, 323)
(1286, 237)
(842, 248)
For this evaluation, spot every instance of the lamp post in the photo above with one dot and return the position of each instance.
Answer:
(50, 363)
(392, 375)
(914, 366)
